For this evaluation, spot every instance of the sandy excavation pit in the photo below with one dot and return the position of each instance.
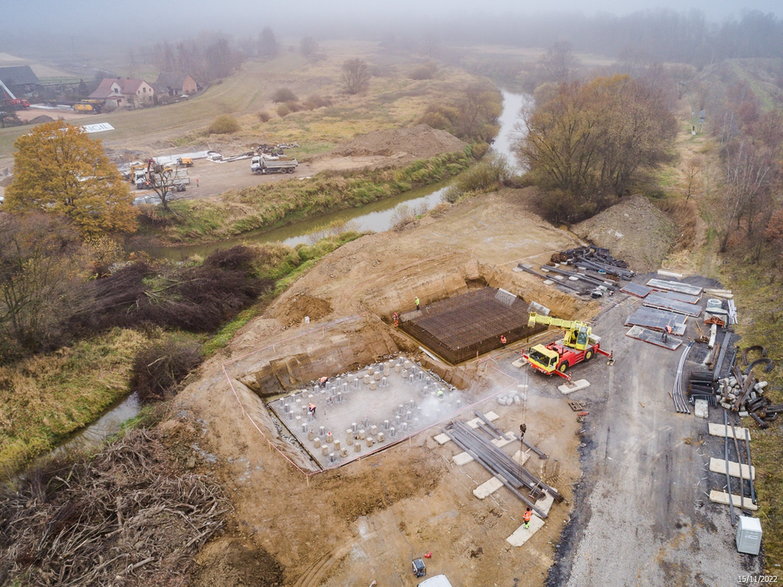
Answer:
(367, 410)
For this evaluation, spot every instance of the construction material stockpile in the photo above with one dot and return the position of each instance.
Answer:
(595, 272)
(513, 475)
(738, 390)
(595, 258)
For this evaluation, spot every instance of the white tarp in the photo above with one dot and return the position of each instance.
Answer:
(98, 127)
(171, 159)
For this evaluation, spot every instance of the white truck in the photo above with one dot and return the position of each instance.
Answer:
(261, 165)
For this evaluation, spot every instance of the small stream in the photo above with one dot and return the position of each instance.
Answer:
(376, 217)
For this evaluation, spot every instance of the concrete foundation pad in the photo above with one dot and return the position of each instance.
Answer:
(545, 503)
(488, 488)
(723, 498)
(501, 442)
(522, 534)
(442, 438)
(476, 422)
(462, 458)
(722, 431)
(735, 469)
(573, 386)
(519, 363)
(701, 408)
(521, 457)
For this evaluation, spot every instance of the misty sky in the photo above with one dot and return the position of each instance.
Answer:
(100, 15)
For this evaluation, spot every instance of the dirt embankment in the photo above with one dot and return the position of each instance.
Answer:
(634, 230)
(420, 141)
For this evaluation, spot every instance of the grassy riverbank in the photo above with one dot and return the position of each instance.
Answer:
(270, 205)
(48, 397)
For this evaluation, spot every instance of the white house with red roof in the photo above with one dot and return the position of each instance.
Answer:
(124, 92)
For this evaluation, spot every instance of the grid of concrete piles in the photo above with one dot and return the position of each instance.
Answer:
(363, 411)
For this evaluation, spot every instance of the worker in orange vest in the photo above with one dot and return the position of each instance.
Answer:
(526, 517)
(503, 339)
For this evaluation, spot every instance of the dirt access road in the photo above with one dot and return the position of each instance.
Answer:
(642, 516)
(210, 179)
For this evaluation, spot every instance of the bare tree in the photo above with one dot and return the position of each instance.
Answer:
(165, 182)
(40, 277)
(356, 76)
(747, 180)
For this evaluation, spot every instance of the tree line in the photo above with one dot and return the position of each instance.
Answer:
(589, 143)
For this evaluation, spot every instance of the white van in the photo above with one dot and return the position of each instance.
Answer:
(436, 581)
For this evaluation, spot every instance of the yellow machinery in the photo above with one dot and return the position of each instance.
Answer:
(578, 345)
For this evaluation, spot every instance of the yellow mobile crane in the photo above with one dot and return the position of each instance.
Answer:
(578, 345)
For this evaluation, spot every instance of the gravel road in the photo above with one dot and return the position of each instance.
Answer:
(642, 516)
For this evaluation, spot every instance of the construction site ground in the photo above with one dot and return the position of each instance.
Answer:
(640, 515)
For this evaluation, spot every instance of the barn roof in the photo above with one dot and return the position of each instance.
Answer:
(18, 75)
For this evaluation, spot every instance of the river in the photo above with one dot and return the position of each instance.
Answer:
(377, 217)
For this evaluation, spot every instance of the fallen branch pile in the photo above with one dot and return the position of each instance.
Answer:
(130, 515)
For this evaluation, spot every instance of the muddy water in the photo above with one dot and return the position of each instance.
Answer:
(512, 128)
(376, 217)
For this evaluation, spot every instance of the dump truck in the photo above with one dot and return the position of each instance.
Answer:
(263, 165)
(577, 346)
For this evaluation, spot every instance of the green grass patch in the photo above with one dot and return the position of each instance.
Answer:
(46, 398)
(227, 332)
(268, 205)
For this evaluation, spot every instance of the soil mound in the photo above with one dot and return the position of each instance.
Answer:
(420, 141)
(633, 230)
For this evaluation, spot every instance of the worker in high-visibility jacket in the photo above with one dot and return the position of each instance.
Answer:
(526, 517)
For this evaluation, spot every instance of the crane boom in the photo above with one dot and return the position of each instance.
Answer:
(577, 333)
(578, 345)
(7, 91)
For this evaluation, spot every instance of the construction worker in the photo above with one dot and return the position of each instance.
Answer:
(396, 319)
(666, 332)
(322, 381)
(522, 430)
(311, 409)
(503, 339)
(418, 305)
(526, 517)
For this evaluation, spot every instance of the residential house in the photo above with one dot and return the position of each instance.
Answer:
(124, 92)
(175, 84)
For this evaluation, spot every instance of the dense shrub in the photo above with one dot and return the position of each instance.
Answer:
(486, 176)
(197, 299)
(425, 71)
(224, 124)
(284, 95)
(283, 110)
(293, 106)
(315, 101)
(264, 116)
(158, 369)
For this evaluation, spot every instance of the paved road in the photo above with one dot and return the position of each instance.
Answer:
(642, 516)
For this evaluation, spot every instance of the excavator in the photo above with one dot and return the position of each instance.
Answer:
(577, 346)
